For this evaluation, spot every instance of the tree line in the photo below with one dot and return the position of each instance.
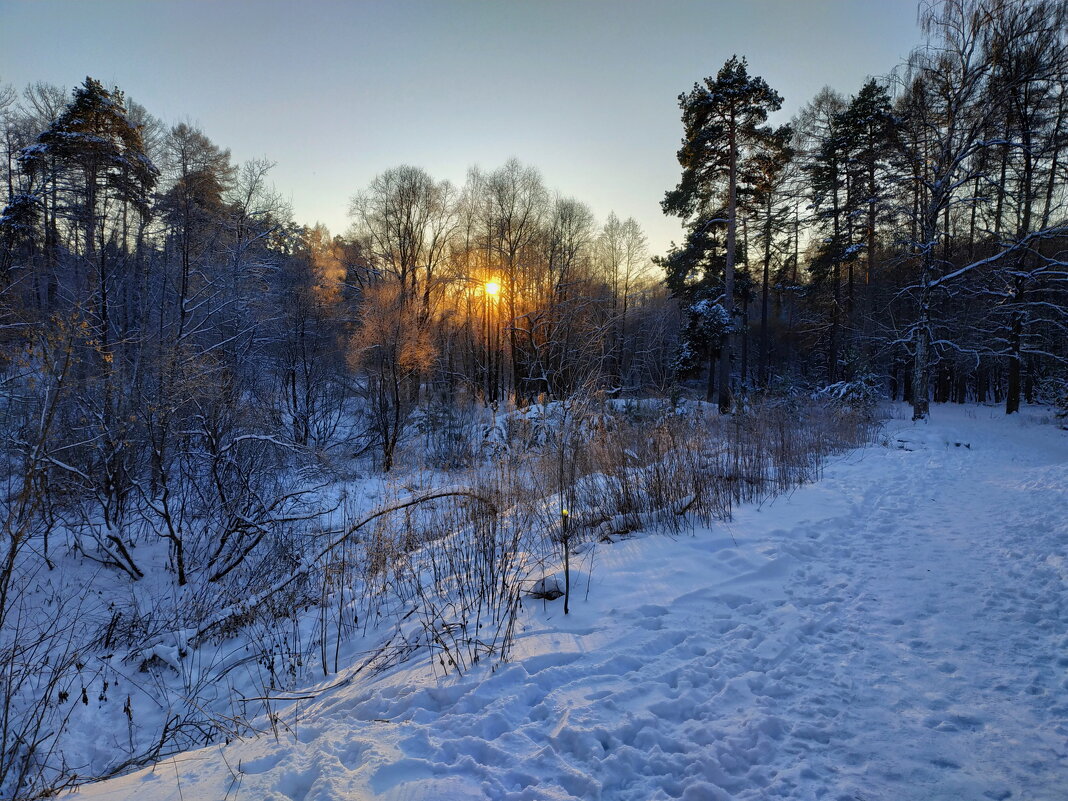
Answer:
(910, 237)
(174, 347)
(172, 342)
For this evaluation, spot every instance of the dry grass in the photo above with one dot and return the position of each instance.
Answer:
(461, 570)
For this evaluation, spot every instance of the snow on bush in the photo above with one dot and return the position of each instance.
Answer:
(860, 393)
(1053, 390)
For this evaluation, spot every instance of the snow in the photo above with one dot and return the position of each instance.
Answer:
(895, 631)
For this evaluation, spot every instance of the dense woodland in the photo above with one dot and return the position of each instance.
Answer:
(908, 229)
(910, 236)
(178, 354)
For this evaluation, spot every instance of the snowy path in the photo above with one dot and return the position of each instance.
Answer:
(898, 631)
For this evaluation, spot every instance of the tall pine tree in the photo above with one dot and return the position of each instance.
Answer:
(724, 125)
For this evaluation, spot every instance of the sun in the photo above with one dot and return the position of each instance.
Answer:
(492, 288)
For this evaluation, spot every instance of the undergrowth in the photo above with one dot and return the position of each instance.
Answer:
(438, 569)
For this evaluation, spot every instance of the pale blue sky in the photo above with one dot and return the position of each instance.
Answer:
(336, 92)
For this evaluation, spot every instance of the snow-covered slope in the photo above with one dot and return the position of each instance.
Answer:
(897, 631)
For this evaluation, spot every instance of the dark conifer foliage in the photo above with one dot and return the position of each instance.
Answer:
(723, 130)
(915, 231)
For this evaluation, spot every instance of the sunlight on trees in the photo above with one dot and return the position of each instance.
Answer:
(199, 393)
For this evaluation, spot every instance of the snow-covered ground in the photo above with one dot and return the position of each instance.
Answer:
(897, 631)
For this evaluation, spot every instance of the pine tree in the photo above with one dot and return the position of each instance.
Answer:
(92, 160)
(768, 170)
(870, 129)
(827, 168)
(723, 121)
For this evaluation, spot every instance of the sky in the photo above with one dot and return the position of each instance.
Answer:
(336, 92)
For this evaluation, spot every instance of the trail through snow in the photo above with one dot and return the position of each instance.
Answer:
(896, 631)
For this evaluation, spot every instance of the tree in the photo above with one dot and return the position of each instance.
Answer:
(393, 347)
(308, 358)
(555, 321)
(826, 164)
(706, 328)
(622, 253)
(92, 159)
(723, 122)
(515, 204)
(26, 241)
(96, 157)
(769, 171)
(1030, 68)
(404, 221)
(870, 129)
(187, 296)
(956, 92)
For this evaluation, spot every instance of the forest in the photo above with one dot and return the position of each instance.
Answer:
(227, 432)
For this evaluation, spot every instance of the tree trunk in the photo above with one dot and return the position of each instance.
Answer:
(1016, 326)
(836, 278)
(922, 339)
(710, 387)
(762, 372)
(728, 275)
(920, 370)
(1012, 391)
